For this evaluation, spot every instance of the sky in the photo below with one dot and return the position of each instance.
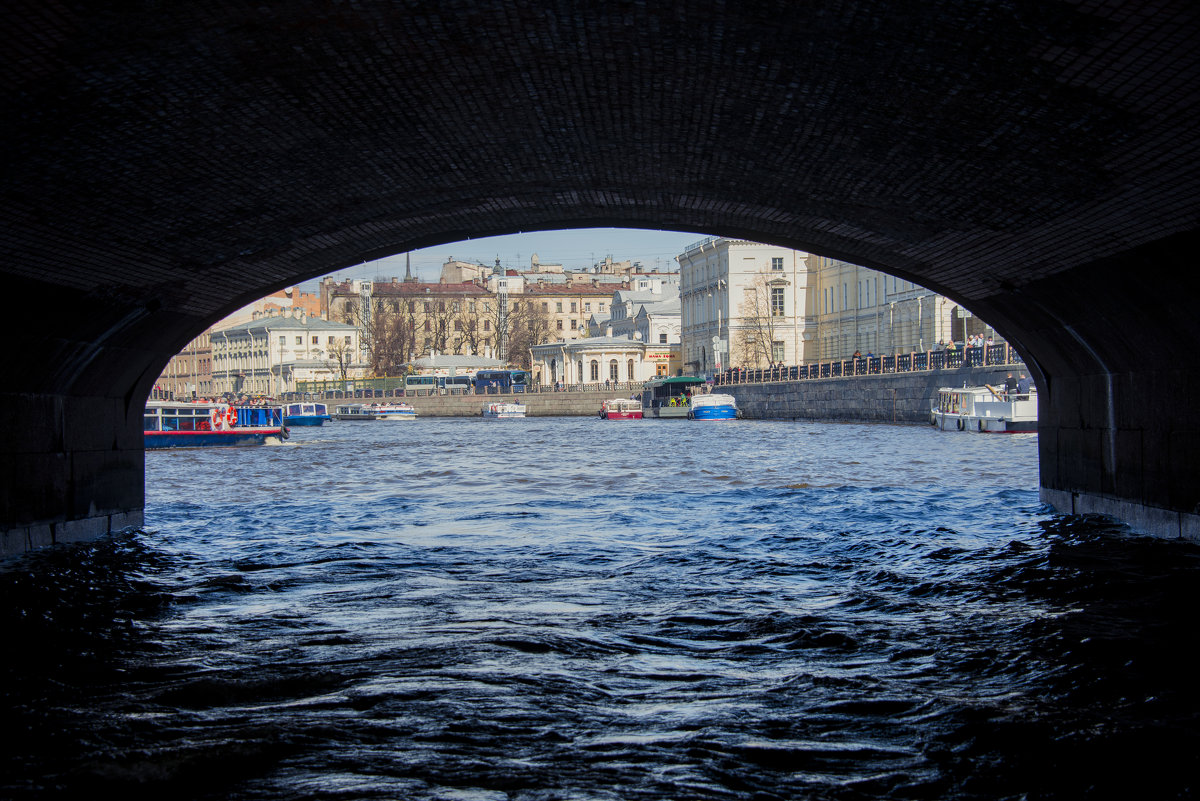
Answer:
(576, 249)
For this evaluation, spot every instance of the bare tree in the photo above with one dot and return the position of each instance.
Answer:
(529, 325)
(760, 310)
(341, 356)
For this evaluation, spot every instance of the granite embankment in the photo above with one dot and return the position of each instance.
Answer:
(890, 398)
(894, 397)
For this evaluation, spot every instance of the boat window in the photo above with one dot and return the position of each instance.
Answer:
(150, 422)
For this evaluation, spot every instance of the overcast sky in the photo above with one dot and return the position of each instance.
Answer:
(576, 249)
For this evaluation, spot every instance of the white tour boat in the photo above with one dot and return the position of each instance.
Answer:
(354, 411)
(394, 411)
(503, 411)
(986, 408)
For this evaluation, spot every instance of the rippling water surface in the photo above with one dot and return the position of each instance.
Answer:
(576, 609)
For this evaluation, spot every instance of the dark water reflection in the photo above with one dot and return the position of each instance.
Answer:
(571, 609)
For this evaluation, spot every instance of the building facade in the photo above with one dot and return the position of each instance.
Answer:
(189, 373)
(269, 354)
(743, 303)
(859, 310)
(592, 360)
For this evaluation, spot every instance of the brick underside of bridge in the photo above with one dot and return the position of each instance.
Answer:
(166, 164)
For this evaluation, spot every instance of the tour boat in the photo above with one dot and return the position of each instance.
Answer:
(305, 414)
(394, 411)
(170, 424)
(354, 411)
(986, 409)
(503, 411)
(620, 409)
(716, 406)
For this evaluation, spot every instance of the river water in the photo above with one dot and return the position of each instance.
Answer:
(565, 608)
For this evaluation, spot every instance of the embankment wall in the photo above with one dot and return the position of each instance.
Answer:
(890, 398)
(894, 397)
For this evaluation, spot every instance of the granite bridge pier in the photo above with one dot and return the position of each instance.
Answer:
(167, 163)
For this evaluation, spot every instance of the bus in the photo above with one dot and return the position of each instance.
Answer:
(422, 384)
(458, 384)
(491, 382)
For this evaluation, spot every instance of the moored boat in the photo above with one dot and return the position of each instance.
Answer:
(987, 409)
(620, 409)
(503, 411)
(668, 396)
(354, 411)
(305, 414)
(716, 406)
(169, 424)
(394, 411)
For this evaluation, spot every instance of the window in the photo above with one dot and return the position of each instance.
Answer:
(347, 339)
(777, 301)
(613, 373)
(558, 307)
(545, 307)
(777, 352)
(573, 325)
(428, 307)
(629, 364)
(601, 308)
(458, 325)
(471, 306)
(558, 324)
(487, 325)
(587, 307)
(412, 306)
(777, 262)
(595, 370)
(316, 340)
(662, 339)
(455, 306)
(330, 341)
(572, 307)
(427, 328)
(282, 341)
(299, 340)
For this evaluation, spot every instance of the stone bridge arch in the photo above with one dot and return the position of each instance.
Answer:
(1035, 162)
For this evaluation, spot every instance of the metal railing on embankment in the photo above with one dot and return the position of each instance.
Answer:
(982, 356)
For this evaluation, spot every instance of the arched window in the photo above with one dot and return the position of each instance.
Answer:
(580, 373)
(630, 365)
(553, 371)
(613, 372)
(595, 370)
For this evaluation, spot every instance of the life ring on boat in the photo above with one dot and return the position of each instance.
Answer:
(231, 416)
(960, 424)
(217, 418)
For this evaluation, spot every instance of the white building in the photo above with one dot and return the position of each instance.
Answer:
(743, 303)
(594, 360)
(269, 354)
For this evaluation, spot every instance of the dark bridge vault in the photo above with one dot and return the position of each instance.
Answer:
(1035, 160)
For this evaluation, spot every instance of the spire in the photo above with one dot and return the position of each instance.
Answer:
(408, 276)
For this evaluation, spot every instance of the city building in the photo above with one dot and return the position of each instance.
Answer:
(743, 303)
(856, 309)
(189, 373)
(273, 351)
(291, 298)
(595, 360)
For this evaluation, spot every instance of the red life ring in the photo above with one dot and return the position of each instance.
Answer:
(216, 418)
(231, 416)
